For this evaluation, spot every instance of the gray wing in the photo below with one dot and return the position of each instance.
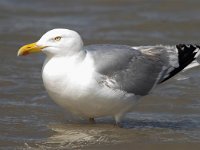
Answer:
(134, 70)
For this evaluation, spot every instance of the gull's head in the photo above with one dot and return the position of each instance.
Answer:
(56, 42)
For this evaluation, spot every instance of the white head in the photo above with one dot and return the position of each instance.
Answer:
(56, 42)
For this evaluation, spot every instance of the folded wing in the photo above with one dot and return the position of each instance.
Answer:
(138, 69)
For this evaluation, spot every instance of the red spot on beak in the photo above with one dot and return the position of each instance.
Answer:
(25, 53)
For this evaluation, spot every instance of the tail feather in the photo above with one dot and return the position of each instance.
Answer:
(186, 55)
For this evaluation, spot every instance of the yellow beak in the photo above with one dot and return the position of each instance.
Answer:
(29, 48)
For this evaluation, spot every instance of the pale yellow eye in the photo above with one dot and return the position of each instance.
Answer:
(58, 38)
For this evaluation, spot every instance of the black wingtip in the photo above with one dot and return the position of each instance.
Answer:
(186, 54)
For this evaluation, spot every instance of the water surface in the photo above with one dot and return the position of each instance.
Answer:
(169, 118)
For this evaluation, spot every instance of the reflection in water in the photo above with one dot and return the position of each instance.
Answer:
(148, 128)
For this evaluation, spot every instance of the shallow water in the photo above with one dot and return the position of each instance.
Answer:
(169, 118)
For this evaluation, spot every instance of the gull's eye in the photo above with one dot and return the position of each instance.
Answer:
(58, 38)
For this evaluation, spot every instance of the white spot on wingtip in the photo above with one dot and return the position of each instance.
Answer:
(192, 65)
(196, 50)
(197, 54)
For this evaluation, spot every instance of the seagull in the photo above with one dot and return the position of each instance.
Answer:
(104, 79)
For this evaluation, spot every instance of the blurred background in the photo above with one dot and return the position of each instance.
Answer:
(29, 119)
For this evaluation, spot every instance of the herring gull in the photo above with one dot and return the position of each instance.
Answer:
(104, 80)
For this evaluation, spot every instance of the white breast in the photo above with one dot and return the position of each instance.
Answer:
(63, 75)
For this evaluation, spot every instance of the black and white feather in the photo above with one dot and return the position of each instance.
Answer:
(186, 55)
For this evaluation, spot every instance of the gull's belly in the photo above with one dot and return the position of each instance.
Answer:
(92, 101)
